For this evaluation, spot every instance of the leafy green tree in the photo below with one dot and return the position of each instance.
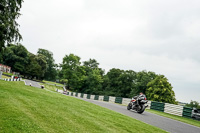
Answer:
(50, 73)
(91, 64)
(141, 81)
(16, 56)
(41, 60)
(119, 82)
(9, 12)
(193, 104)
(72, 70)
(127, 82)
(94, 77)
(33, 69)
(160, 90)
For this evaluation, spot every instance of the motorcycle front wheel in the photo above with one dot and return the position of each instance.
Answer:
(129, 106)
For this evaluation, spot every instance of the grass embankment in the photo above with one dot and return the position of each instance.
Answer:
(5, 77)
(51, 87)
(50, 82)
(175, 117)
(29, 109)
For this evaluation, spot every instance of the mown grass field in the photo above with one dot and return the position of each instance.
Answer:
(28, 109)
(178, 118)
(51, 87)
(50, 82)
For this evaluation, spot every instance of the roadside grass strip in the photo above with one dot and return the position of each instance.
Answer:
(175, 117)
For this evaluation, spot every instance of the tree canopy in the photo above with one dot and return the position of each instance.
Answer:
(9, 32)
(193, 104)
(159, 89)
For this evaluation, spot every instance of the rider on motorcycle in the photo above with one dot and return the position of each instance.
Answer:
(140, 96)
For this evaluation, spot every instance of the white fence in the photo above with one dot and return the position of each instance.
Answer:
(112, 99)
(92, 97)
(85, 96)
(173, 109)
(101, 98)
(126, 101)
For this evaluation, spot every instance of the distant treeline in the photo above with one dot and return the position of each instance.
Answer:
(86, 76)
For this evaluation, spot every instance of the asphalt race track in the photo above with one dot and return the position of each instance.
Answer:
(164, 123)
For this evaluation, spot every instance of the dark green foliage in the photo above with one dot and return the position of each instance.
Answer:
(141, 80)
(119, 82)
(93, 77)
(73, 72)
(160, 90)
(193, 104)
(20, 60)
(50, 72)
(16, 56)
(9, 12)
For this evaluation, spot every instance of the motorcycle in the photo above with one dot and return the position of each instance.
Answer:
(138, 104)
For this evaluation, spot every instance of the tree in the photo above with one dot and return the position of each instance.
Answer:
(94, 77)
(50, 72)
(33, 69)
(141, 81)
(9, 12)
(160, 90)
(73, 72)
(41, 60)
(16, 56)
(193, 104)
(118, 82)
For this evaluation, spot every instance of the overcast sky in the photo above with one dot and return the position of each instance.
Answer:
(152, 35)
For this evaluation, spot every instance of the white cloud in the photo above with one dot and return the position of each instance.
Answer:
(154, 35)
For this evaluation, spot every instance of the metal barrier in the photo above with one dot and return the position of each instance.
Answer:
(159, 106)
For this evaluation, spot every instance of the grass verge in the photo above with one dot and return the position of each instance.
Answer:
(51, 87)
(50, 82)
(5, 77)
(28, 109)
(175, 117)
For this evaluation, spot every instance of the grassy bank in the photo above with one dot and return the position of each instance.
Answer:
(51, 87)
(50, 82)
(178, 118)
(28, 109)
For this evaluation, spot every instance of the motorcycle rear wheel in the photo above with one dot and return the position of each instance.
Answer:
(141, 109)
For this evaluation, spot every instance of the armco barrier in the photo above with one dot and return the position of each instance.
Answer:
(126, 101)
(96, 97)
(118, 100)
(101, 98)
(164, 107)
(157, 106)
(149, 104)
(82, 95)
(18, 79)
(173, 109)
(88, 96)
(85, 96)
(106, 98)
(79, 94)
(92, 97)
(112, 99)
(187, 112)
